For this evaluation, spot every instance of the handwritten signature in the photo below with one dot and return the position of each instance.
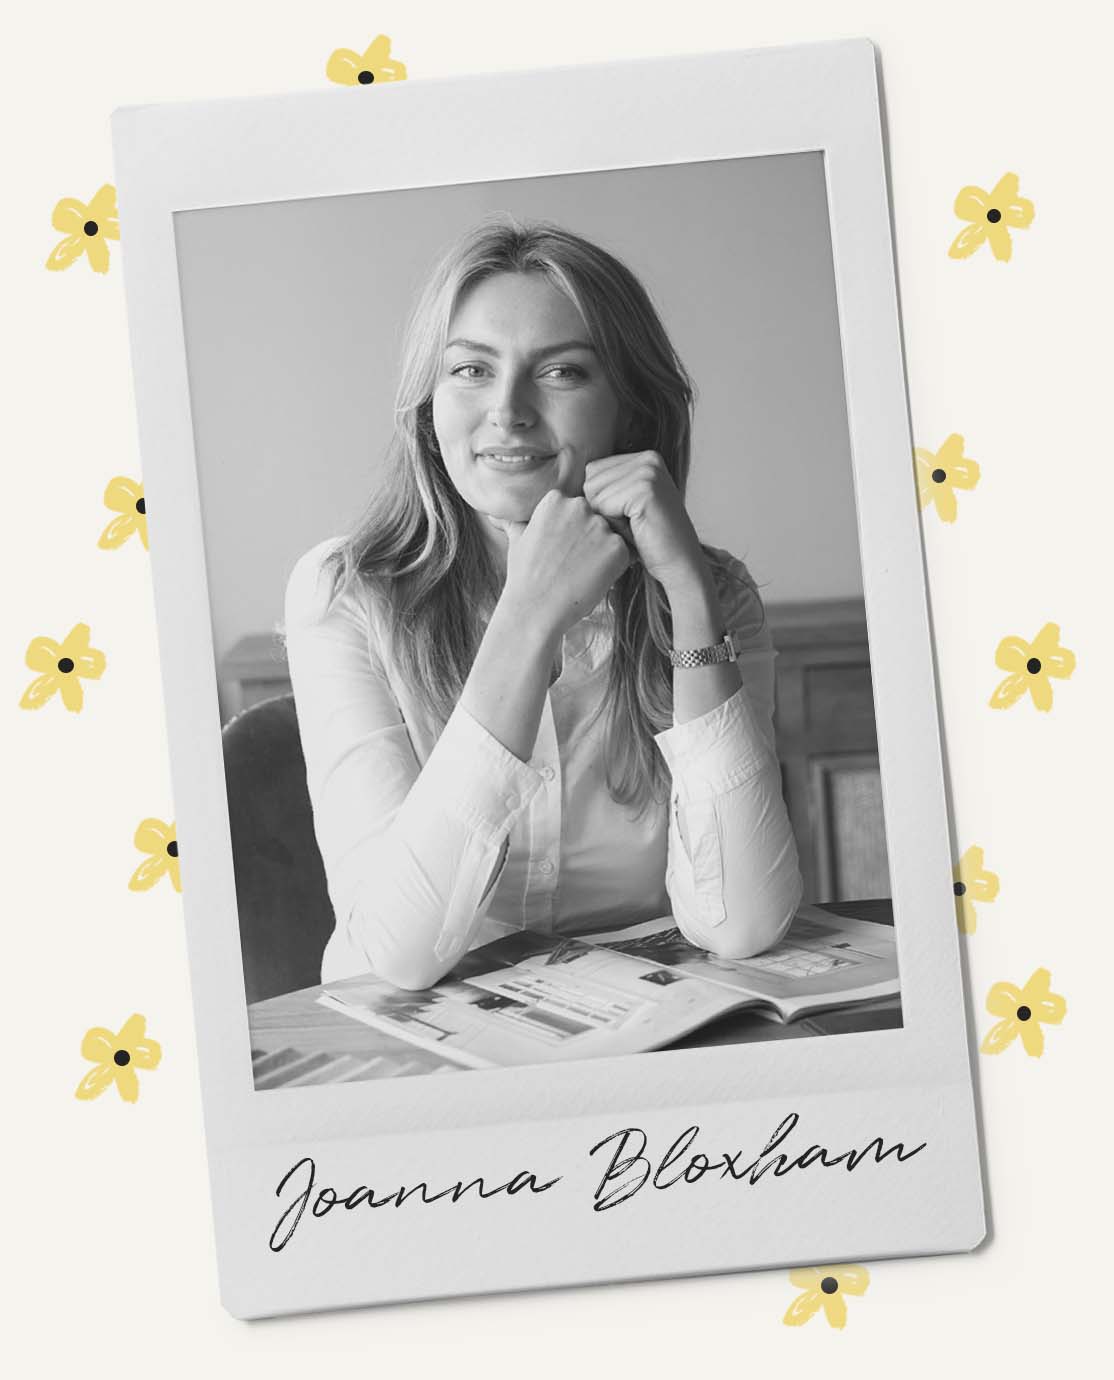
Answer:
(629, 1171)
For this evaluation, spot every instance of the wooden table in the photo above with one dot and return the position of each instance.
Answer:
(295, 1042)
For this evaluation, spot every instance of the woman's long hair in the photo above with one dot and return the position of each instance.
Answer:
(419, 546)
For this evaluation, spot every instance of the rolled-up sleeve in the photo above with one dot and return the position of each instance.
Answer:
(412, 852)
(732, 869)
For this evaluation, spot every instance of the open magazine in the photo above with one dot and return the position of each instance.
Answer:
(532, 998)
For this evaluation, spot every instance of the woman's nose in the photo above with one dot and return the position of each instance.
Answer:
(510, 405)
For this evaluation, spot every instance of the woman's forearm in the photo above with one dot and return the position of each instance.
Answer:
(422, 918)
(506, 688)
(698, 622)
(734, 879)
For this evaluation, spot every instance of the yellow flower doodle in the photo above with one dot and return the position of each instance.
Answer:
(939, 474)
(125, 497)
(87, 230)
(971, 883)
(825, 1288)
(1030, 665)
(159, 841)
(115, 1059)
(991, 215)
(63, 666)
(374, 64)
(1023, 1011)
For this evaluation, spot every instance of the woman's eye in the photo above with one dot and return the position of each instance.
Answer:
(561, 372)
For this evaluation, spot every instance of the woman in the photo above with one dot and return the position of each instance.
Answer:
(495, 732)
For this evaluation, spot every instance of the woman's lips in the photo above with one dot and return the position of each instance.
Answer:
(513, 464)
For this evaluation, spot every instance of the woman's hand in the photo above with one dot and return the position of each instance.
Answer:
(562, 562)
(637, 495)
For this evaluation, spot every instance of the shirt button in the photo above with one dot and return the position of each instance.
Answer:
(511, 802)
(547, 773)
(545, 866)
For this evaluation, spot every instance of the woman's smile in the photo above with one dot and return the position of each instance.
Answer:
(515, 461)
(522, 403)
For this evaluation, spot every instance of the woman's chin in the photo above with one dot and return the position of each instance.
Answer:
(496, 514)
(514, 507)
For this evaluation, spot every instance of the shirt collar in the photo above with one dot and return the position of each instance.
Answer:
(588, 638)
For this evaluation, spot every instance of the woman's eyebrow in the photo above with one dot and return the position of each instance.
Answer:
(479, 346)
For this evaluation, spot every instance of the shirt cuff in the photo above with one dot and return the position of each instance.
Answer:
(471, 774)
(715, 752)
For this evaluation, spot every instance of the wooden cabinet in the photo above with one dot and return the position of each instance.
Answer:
(828, 747)
(254, 670)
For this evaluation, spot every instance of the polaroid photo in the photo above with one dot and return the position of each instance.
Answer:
(548, 678)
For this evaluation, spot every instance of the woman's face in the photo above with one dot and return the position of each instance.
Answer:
(521, 403)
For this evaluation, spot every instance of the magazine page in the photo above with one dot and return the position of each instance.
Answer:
(530, 999)
(825, 960)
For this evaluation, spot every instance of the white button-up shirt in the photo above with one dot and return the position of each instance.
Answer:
(437, 840)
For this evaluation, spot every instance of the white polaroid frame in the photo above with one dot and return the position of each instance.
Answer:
(698, 1200)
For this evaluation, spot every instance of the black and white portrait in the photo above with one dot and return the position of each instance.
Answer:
(535, 588)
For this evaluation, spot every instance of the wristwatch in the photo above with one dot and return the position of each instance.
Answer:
(705, 656)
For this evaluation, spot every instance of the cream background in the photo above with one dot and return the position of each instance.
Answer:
(108, 1227)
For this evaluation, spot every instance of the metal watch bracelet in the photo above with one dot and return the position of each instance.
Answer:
(705, 656)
